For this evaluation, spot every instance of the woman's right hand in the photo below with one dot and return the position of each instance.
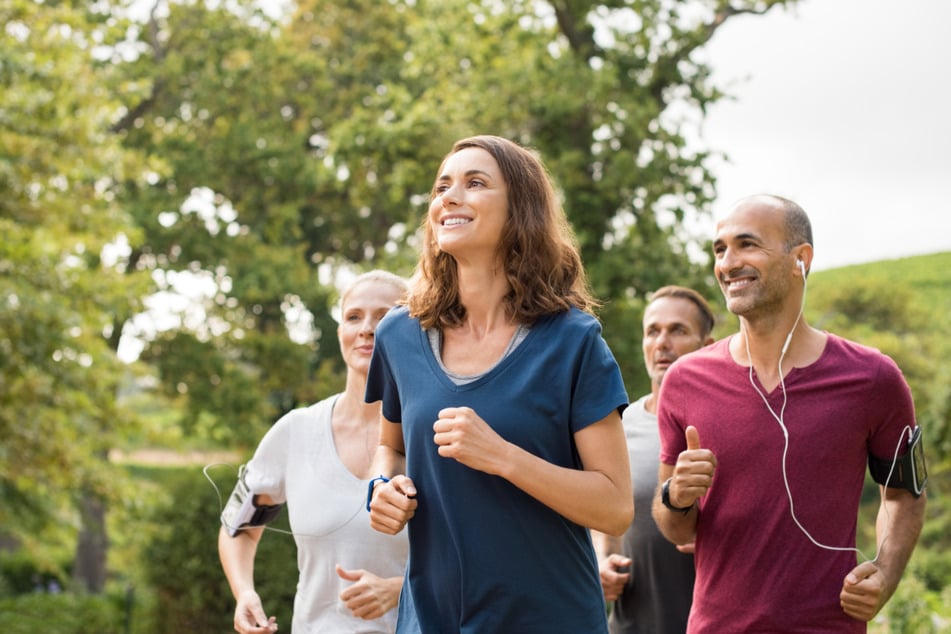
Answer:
(249, 615)
(393, 503)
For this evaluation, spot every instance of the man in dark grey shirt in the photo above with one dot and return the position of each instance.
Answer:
(649, 580)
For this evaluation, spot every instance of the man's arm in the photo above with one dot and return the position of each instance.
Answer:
(871, 584)
(679, 528)
(689, 480)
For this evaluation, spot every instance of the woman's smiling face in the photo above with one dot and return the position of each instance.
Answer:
(469, 206)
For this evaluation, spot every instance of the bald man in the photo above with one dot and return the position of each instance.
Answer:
(765, 438)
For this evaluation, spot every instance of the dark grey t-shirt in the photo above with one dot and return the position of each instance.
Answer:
(658, 595)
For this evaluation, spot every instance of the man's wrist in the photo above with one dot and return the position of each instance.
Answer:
(665, 499)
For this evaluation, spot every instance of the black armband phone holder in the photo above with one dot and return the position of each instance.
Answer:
(907, 471)
(241, 511)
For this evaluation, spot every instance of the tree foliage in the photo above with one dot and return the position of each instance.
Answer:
(61, 305)
(318, 133)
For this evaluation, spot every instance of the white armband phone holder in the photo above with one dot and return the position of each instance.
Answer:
(241, 511)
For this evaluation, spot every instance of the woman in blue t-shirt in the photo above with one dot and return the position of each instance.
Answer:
(501, 442)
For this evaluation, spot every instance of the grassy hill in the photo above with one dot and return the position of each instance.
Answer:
(927, 277)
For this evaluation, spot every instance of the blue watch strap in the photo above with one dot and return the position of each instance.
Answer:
(379, 478)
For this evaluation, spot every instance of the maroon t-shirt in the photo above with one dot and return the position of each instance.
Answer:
(757, 571)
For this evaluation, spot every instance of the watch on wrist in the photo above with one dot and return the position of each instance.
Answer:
(665, 498)
(379, 478)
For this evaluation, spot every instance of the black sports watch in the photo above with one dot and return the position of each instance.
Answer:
(665, 498)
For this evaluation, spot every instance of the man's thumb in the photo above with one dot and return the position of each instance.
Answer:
(693, 438)
(860, 573)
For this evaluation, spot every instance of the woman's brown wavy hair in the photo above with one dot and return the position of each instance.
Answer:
(537, 252)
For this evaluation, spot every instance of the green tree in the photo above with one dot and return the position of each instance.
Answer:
(60, 300)
(317, 135)
(231, 203)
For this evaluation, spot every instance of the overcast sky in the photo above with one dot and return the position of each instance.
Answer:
(843, 106)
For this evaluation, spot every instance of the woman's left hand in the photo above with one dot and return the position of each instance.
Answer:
(463, 435)
(370, 596)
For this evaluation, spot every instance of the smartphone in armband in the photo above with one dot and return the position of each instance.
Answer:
(909, 471)
(240, 507)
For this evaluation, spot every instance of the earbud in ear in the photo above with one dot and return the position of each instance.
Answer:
(802, 267)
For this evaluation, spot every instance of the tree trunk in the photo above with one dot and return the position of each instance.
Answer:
(90, 562)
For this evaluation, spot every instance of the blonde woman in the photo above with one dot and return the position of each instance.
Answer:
(316, 460)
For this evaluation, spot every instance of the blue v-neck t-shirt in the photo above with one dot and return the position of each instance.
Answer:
(484, 555)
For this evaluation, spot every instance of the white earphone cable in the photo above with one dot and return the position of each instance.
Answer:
(780, 419)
